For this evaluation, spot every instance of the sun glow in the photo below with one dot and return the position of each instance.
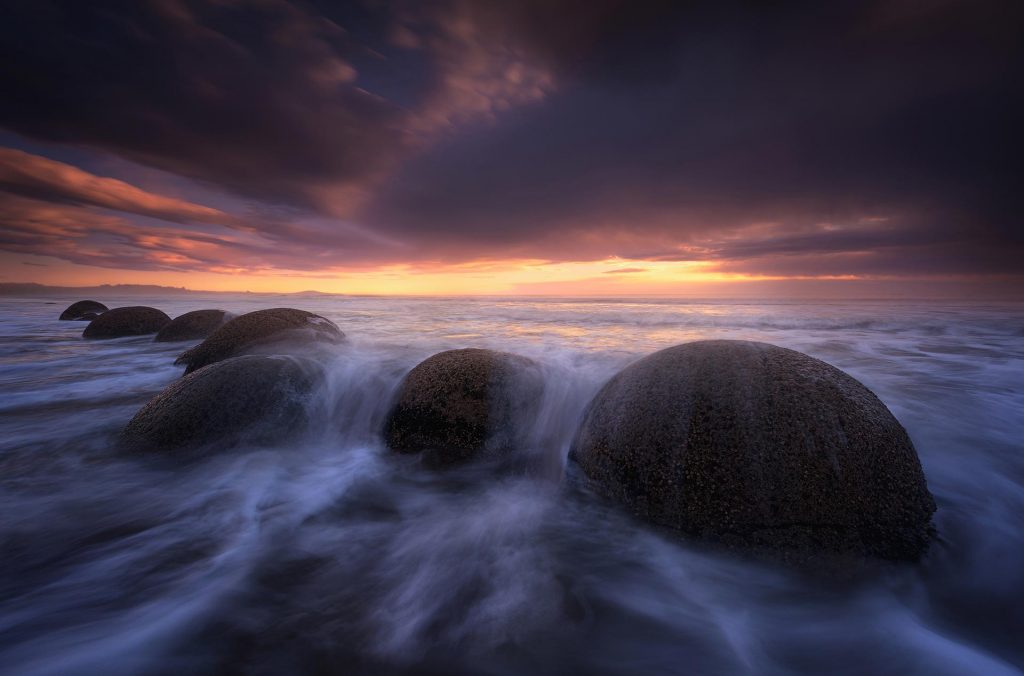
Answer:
(482, 277)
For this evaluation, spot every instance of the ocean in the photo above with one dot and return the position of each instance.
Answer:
(328, 554)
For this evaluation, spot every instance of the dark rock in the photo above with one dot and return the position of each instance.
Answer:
(87, 317)
(260, 329)
(255, 399)
(83, 308)
(126, 321)
(193, 325)
(757, 447)
(464, 404)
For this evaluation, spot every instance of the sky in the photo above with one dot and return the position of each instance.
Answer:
(564, 147)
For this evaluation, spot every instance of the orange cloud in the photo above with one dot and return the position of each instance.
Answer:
(34, 175)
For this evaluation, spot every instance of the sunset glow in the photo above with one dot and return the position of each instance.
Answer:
(507, 148)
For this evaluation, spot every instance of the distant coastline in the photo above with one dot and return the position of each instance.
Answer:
(982, 294)
(34, 289)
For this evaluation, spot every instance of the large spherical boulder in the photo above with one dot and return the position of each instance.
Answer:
(126, 321)
(464, 404)
(254, 398)
(193, 325)
(82, 310)
(757, 447)
(260, 329)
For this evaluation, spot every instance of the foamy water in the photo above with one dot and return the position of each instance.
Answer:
(330, 554)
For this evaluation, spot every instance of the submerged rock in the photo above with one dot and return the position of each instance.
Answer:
(126, 321)
(258, 329)
(464, 404)
(193, 325)
(757, 447)
(83, 309)
(255, 399)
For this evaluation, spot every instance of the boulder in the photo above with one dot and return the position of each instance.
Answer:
(756, 447)
(464, 404)
(257, 330)
(82, 310)
(254, 398)
(194, 325)
(126, 321)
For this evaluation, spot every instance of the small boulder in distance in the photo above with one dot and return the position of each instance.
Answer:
(137, 320)
(252, 399)
(260, 329)
(194, 325)
(83, 310)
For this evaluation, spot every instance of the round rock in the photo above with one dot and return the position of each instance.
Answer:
(194, 325)
(757, 447)
(83, 309)
(257, 330)
(254, 399)
(126, 321)
(464, 404)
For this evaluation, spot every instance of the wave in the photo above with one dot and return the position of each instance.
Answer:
(329, 552)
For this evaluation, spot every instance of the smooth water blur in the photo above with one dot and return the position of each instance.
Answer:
(328, 554)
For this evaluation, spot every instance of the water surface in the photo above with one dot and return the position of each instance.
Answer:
(328, 554)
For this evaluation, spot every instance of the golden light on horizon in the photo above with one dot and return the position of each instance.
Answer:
(482, 277)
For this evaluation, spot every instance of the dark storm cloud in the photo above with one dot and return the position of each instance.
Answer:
(254, 96)
(874, 136)
(829, 112)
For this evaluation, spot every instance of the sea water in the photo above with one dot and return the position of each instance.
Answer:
(328, 554)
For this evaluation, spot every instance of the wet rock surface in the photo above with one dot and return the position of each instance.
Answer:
(193, 325)
(284, 326)
(463, 404)
(756, 447)
(254, 399)
(82, 310)
(126, 321)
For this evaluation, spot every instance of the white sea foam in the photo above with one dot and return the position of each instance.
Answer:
(330, 552)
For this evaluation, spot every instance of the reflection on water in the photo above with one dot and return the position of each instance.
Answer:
(329, 554)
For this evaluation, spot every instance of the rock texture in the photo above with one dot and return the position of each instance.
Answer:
(126, 321)
(82, 310)
(194, 325)
(757, 447)
(258, 329)
(464, 404)
(255, 399)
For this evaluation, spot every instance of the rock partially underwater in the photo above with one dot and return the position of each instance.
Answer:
(260, 329)
(757, 447)
(250, 399)
(194, 325)
(126, 321)
(466, 404)
(83, 310)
